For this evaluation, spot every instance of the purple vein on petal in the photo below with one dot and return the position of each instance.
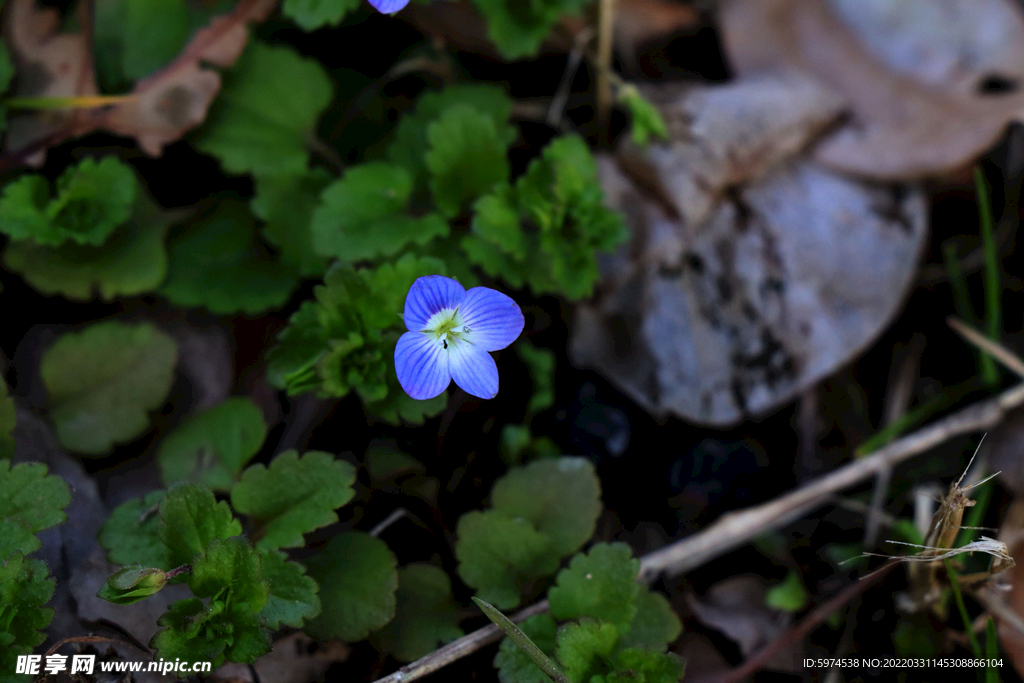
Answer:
(473, 370)
(427, 296)
(494, 319)
(422, 365)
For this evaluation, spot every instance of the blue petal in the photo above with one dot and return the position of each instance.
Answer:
(473, 369)
(389, 6)
(421, 363)
(494, 320)
(427, 296)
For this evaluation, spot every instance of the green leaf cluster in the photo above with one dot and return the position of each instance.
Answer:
(30, 501)
(93, 198)
(647, 121)
(540, 513)
(425, 614)
(518, 28)
(546, 229)
(240, 590)
(344, 340)
(614, 630)
(313, 14)
(103, 381)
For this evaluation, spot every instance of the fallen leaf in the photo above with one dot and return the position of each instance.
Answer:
(736, 607)
(159, 109)
(294, 659)
(929, 88)
(762, 275)
(1012, 533)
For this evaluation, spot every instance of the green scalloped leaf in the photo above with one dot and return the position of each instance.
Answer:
(133, 260)
(292, 599)
(600, 585)
(655, 624)
(30, 501)
(561, 497)
(357, 578)
(213, 446)
(192, 519)
(293, 496)
(103, 381)
(425, 614)
(217, 262)
(266, 112)
(131, 534)
(286, 203)
(25, 586)
(313, 14)
(517, 28)
(583, 646)
(788, 596)
(501, 556)
(362, 215)
(636, 665)
(466, 157)
(93, 198)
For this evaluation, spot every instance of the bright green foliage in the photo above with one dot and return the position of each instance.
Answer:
(131, 584)
(518, 28)
(579, 645)
(93, 198)
(561, 497)
(465, 157)
(788, 596)
(263, 119)
(502, 556)
(217, 262)
(647, 120)
(560, 201)
(131, 534)
(192, 519)
(542, 373)
(30, 501)
(229, 625)
(542, 512)
(286, 203)
(131, 261)
(599, 585)
(654, 624)
(292, 598)
(213, 446)
(293, 496)
(314, 14)
(25, 586)
(8, 419)
(411, 134)
(361, 216)
(637, 665)
(133, 39)
(514, 665)
(425, 615)
(345, 339)
(357, 578)
(103, 381)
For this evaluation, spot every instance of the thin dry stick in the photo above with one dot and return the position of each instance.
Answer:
(1008, 358)
(737, 528)
(796, 633)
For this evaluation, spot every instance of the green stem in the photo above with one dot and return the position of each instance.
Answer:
(523, 641)
(991, 650)
(954, 583)
(915, 416)
(989, 371)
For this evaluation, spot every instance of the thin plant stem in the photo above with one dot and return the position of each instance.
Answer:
(958, 597)
(993, 304)
(523, 641)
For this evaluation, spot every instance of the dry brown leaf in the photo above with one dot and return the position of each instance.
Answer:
(736, 607)
(1012, 533)
(160, 108)
(787, 271)
(918, 89)
(294, 659)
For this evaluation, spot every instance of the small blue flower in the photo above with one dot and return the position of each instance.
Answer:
(450, 332)
(389, 6)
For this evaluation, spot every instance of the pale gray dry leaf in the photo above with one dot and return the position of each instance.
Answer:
(293, 660)
(736, 607)
(929, 85)
(789, 278)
